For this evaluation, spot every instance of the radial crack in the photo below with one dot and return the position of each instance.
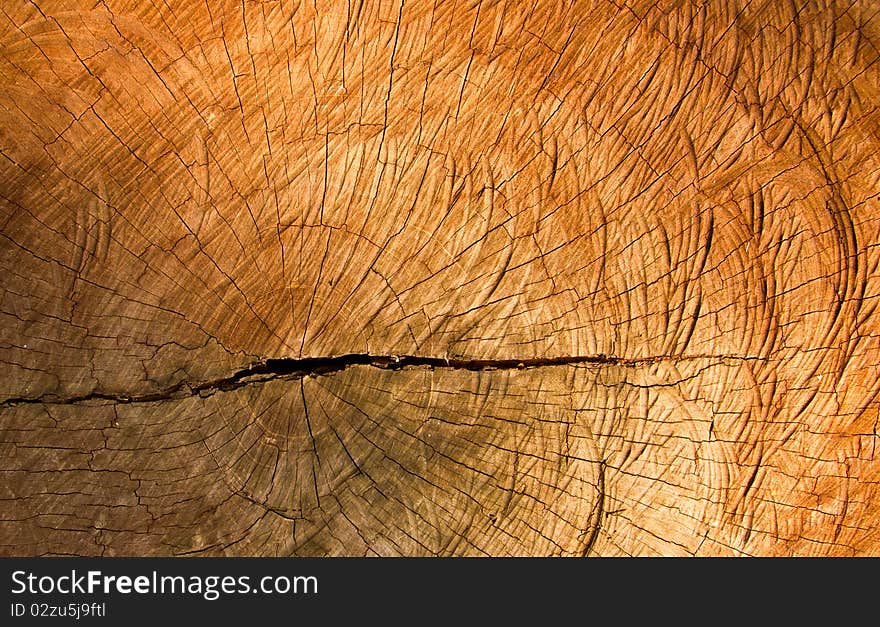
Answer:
(291, 368)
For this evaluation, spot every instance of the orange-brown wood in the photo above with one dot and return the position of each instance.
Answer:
(411, 278)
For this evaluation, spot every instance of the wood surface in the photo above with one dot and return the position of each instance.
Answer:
(439, 278)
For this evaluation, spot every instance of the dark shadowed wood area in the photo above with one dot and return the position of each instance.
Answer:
(449, 278)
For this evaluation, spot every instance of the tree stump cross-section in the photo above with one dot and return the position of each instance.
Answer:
(404, 278)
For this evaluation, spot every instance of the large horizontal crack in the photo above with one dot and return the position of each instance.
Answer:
(297, 368)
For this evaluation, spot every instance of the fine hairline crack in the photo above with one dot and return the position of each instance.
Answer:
(292, 368)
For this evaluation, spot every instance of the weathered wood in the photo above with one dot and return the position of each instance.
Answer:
(426, 278)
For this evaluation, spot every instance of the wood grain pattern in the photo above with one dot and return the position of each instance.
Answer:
(404, 278)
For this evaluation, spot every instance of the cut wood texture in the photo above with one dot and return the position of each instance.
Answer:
(488, 278)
